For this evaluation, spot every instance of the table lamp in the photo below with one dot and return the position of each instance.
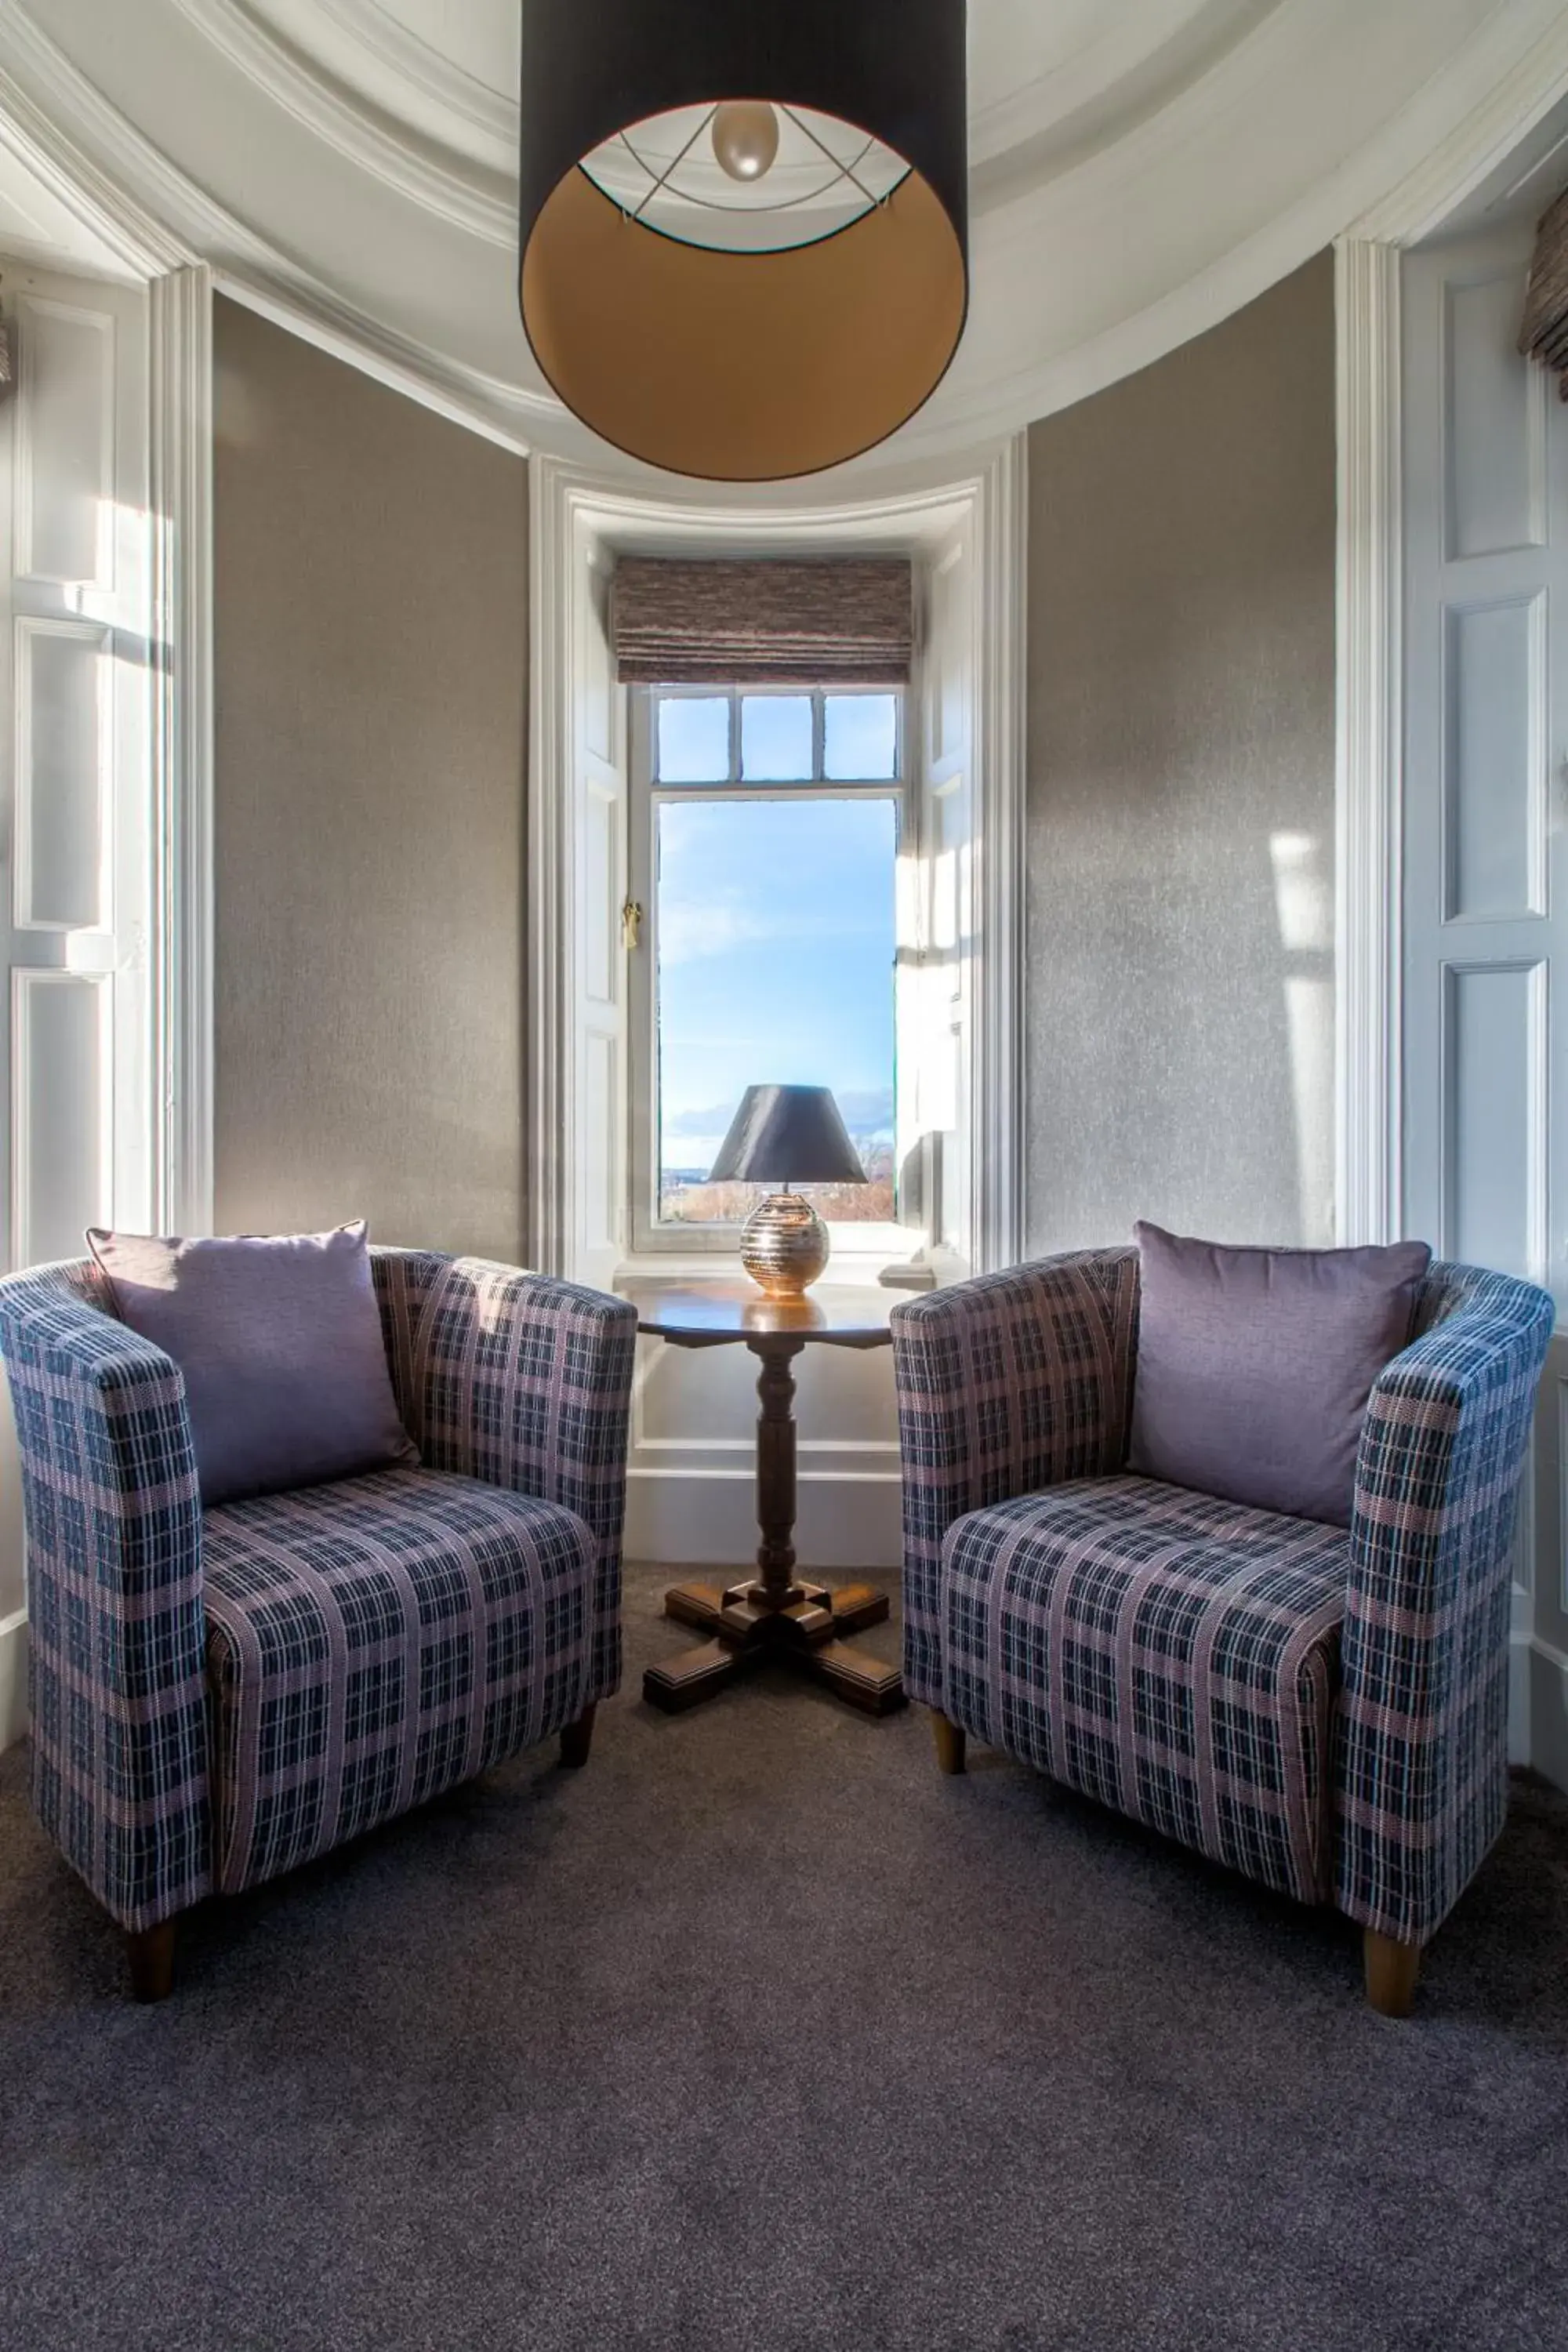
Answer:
(786, 1136)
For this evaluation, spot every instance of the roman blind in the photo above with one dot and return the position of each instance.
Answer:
(822, 621)
(1544, 334)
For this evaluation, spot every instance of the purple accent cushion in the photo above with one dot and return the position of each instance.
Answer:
(1254, 1366)
(278, 1337)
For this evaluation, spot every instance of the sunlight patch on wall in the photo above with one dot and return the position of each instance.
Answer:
(1304, 902)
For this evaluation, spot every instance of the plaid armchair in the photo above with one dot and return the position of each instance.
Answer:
(1323, 1709)
(219, 1696)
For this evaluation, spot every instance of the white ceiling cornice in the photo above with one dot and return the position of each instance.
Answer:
(1515, 89)
(475, 201)
(1085, 74)
(422, 66)
(115, 231)
(1239, 139)
(67, 122)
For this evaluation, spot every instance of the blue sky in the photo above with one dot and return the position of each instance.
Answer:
(776, 942)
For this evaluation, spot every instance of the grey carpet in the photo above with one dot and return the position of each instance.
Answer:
(759, 2033)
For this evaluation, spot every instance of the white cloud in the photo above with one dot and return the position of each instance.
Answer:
(691, 929)
(712, 1118)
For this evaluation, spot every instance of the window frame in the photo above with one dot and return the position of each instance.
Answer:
(651, 1236)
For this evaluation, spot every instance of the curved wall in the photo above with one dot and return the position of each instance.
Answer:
(1181, 803)
(371, 751)
(372, 648)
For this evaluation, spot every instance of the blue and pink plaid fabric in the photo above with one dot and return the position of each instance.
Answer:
(1169, 1653)
(525, 1382)
(372, 1641)
(1421, 1777)
(337, 1653)
(1008, 1383)
(1322, 1710)
(113, 1520)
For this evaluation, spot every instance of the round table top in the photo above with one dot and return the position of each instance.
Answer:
(707, 1314)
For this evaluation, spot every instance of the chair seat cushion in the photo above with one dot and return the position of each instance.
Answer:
(1172, 1654)
(373, 1642)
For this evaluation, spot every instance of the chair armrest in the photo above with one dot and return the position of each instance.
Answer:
(1422, 1767)
(114, 1576)
(1005, 1384)
(524, 1382)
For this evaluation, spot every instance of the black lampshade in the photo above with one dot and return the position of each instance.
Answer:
(787, 1135)
(744, 223)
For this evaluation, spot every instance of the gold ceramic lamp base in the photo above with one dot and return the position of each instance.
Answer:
(783, 1245)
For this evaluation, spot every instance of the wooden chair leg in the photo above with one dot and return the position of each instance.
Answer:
(950, 1743)
(150, 1953)
(1390, 1970)
(577, 1739)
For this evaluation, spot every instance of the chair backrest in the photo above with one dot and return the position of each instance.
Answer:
(1448, 1287)
(113, 1516)
(1422, 1731)
(78, 1279)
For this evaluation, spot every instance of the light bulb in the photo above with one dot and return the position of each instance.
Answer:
(745, 137)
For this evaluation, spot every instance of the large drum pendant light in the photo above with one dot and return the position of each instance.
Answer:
(744, 222)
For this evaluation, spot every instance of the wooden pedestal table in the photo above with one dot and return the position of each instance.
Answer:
(774, 1615)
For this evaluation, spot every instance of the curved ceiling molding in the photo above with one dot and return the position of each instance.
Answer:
(466, 103)
(67, 133)
(471, 201)
(1138, 173)
(1046, 84)
(1135, 62)
(424, 66)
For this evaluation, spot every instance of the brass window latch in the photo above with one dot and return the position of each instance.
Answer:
(631, 924)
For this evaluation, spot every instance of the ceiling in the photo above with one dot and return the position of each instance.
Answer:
(1138, 169)
(1044, 74)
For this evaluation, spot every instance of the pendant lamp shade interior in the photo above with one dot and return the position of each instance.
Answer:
(745, 227)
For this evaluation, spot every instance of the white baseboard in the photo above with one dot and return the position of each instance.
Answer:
(710, 1520)
(1519, 1696)
(1547, 1704)
(12, 1677)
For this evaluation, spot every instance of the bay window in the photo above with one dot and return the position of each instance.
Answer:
(765, 832)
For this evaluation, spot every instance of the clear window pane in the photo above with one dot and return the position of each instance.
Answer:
(776, 966)
(776, 739)
(693, 739)
(860, 738)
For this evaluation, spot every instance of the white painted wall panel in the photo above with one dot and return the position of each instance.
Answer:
(1494, 758)
(1493, 421)
(1491, 1057)
(65, 449)
(600, 709)
(598, 957)
(64, 772)
(602, 1173)
(1485, 909)
(706, 1397)
(61, 1078)
(78, 1117)
(944, 817)
(604, 815)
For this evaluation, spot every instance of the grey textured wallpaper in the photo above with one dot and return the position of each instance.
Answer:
(372, 654)
(1181, 799)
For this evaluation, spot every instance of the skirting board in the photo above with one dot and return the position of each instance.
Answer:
(710, 1520)
(1546, 1703)
(1519, 1658)
(12, 1677)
